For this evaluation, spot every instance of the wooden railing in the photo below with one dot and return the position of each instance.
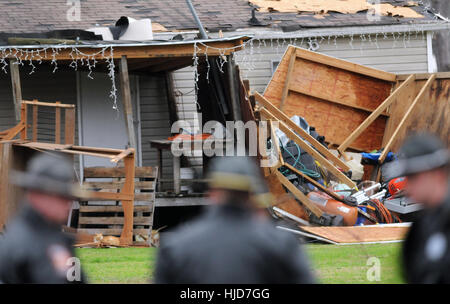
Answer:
(22, 127)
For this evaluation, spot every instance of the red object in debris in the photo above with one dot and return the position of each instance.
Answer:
(396, 185)
(202, 136)
(331, 206)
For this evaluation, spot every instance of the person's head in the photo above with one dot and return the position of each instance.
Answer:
(49, 184)
(424, 160)
(235, 180)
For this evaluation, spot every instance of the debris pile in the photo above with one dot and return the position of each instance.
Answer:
(317, 107)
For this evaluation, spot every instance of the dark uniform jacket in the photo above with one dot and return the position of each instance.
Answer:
(426, 252)
(33, 250)
(229, 245)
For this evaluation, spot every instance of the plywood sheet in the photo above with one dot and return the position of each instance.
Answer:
(359, 234)
(341, 6)
(432, 113)
(333, 100)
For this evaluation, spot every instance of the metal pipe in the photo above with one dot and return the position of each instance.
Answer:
(197, 20)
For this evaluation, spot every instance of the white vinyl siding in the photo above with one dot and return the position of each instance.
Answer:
(396, 56)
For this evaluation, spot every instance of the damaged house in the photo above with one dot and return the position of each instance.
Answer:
(128, 84)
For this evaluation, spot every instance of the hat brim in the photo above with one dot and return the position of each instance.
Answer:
(418, 164)
(46, 185)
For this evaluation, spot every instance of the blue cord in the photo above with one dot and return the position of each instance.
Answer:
(303, 169)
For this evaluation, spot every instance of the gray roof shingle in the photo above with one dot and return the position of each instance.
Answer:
(24, 16)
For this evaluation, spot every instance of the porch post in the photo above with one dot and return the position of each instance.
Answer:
(16, 87)
(126, 99)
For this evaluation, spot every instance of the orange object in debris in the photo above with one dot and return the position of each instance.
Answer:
(331, 206)
(202, 136)
(396, 185)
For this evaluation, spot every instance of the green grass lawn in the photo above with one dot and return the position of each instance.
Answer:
(332, 264)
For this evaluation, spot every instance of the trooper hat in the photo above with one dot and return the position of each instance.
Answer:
(49, 173)
(238, 173)
(419, 153)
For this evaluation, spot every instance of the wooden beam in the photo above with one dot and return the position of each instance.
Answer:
(316, 155)
(388, 146)
(381, 108)
(287, 81)
(16, 87)
(171, 99)
(35, 124)
(314, 182)
(69, 128)
(57, 124)
(333, 100)
(126, 237)
(48, 104)
(298, 194)
(274, 113)
(425, 76)
(276, 144)
(345, 65)
(127, 104)
(212, 48)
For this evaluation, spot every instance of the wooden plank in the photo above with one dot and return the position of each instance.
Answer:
(424, 76)
(69, 128)
(357, 132)
(112, 231)
(35, 124)
(359, 234)
(16, 87)
(314, 182)
(276, 144)
(126, 237)
(48, 104)
(14, 131)
(102, 172)
(316, 155)
(110, 220)
(118, 185)
(387, 148)
(298, 194)
(122, 155)
(126, 99)
(107, 196)
(345, 65)
(99, 209)
(287, 81)
(57, 124)
(279, 115)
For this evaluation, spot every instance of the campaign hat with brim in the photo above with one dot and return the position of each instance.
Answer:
(49, 173)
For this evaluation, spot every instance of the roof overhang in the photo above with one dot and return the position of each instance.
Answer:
(137, 50)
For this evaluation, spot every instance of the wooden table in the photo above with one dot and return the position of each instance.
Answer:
(165, 144)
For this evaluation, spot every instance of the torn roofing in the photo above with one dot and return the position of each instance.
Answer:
(47, 15)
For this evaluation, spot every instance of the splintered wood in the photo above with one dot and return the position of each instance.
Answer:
(341, 6)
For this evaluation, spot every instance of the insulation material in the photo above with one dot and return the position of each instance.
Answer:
(360, 234)
(340, 6)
